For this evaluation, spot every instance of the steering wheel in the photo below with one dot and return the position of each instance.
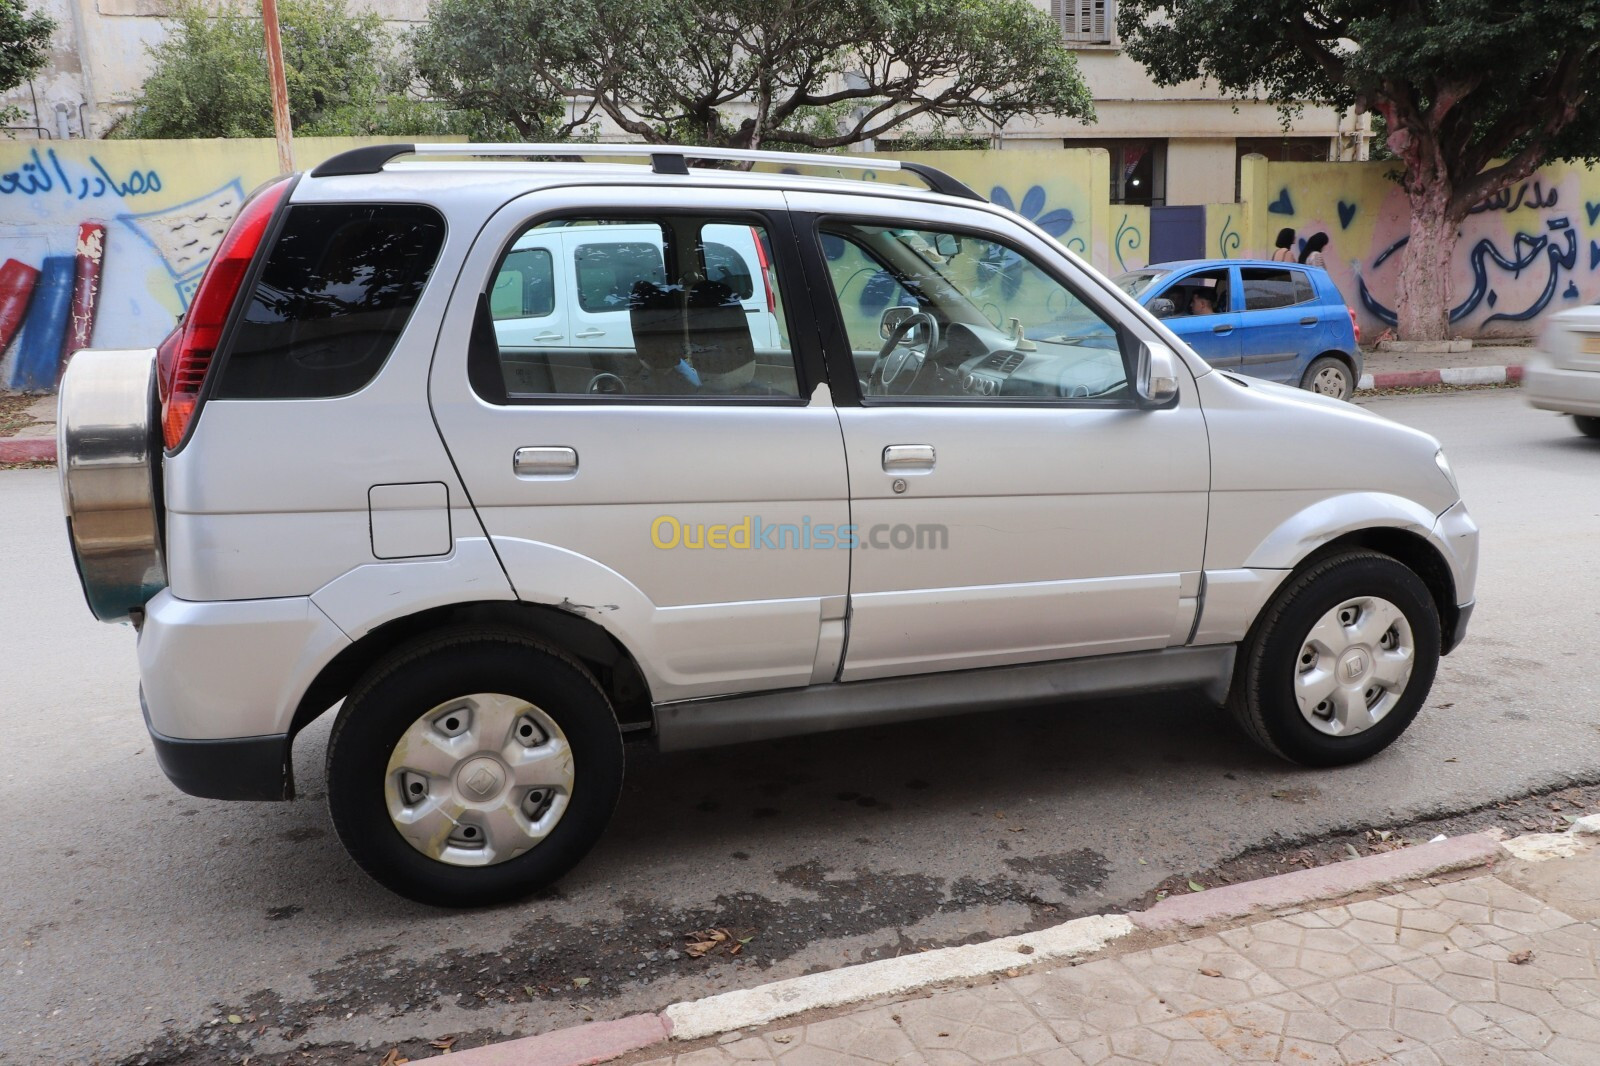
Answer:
(604, 384)
(899, 362)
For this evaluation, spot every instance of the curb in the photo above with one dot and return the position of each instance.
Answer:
(581, 1045)
(1459, 375)
(1320, 883)
(27, 449)
(726, 1012)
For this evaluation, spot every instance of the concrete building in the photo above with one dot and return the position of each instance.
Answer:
(1167, 147)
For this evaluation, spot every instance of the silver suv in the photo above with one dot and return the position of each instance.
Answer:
(514, 458)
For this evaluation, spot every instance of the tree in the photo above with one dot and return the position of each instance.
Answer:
(210, 76)
(812, 74)
(1474, 94)
(23, 40)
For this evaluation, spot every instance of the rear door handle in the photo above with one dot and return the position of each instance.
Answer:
(908, 459)
(547, 338)
(545, 462)
(590, 332)
(1309, 320)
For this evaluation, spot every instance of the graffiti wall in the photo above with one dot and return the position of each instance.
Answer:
(1523, 253)
(103, 242)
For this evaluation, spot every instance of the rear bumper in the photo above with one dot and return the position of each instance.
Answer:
(1551, 388)
(243, 768)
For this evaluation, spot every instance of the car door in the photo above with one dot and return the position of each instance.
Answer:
(1009, 502)
(1281, 325)
(524, 301)
(1215, 335)
(662, 489)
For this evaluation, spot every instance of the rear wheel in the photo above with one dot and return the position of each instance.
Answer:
(1329, 375)
(1588, 425)
(1340, 662)
(473, 768)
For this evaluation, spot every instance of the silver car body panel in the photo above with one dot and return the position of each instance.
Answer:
(270, 514)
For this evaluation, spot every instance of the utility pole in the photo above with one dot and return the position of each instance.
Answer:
(280, 89)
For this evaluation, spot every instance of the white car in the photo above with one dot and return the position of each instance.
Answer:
(1564, 374)
(906, 457)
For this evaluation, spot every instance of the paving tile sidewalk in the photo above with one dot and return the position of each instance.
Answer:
(1501, 968)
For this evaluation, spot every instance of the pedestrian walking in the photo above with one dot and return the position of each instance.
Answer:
(1284, 252)
(1311, 254)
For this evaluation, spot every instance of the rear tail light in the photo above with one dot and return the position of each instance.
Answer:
(764, 263)
(1354, 324)
(184, 358)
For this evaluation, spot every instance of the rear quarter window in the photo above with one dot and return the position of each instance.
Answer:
(334, 295)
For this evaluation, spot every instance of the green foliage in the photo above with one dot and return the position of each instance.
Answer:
(210, 77)
(1473, 94)
(812, 74)
(24, 38)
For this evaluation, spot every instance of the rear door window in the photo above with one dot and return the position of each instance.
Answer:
(334, 295)
(1266, 288)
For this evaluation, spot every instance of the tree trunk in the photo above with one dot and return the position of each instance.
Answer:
(1424, 289)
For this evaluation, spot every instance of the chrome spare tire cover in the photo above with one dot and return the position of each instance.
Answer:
(109, 458)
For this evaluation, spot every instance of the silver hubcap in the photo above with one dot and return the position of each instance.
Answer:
(1330, 381)
(1353, 666)
(479, 780)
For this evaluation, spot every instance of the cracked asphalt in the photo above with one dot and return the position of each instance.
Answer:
(137, 922)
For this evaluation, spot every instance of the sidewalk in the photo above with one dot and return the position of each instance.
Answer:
(1497, 965)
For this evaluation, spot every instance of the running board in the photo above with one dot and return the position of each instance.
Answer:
(707, 723)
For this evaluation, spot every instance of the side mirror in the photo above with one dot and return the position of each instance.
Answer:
(1162, 307)
(947, 244)
(1157, 382)
(892, 317)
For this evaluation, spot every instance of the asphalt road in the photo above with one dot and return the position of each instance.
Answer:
(134, 920)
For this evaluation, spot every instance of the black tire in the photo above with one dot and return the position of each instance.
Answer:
(1262, 698)
(418, 677)
(1347, 376)
(1588, 425)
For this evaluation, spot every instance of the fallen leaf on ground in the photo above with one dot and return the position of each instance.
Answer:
(1520, 957)
(234, 1019)
(1196, 886)
(443, 1043)
(394, 1058)
(580, 982)
(1208, 972)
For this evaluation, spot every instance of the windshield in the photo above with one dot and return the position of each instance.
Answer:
(1136, 282)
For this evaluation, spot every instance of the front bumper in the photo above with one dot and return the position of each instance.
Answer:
(1551, 388)
(1456, 534)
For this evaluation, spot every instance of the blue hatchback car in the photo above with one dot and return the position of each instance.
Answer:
(1280, 321)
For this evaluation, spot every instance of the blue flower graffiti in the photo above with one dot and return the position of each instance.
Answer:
(1006, 265)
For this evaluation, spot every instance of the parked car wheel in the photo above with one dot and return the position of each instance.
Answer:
(1340, 662)
(1588, 425)
(1329, 375)
(473, 768)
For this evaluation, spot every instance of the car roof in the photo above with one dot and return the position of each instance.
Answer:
(1190, 264)
(430, 179)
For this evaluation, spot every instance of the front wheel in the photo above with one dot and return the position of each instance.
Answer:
(473, 767)
(1339, 662)
(1329, 376)
(1588, 425)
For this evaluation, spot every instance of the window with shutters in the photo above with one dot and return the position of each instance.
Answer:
(1086, 21)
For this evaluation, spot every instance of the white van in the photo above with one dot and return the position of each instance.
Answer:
(573, 288)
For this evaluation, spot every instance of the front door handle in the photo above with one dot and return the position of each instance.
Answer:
(1222, 329)
(908, 459)
(545, 462)
(547, 338)
(590, 332)
(1309, 320)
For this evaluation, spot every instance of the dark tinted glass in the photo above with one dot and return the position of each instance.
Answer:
(334, 295)
(607, 273)
(1265, 289)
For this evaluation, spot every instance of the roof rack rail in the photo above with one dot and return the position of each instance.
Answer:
(664, 159)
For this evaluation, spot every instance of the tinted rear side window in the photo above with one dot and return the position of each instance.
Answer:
(336, 291)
